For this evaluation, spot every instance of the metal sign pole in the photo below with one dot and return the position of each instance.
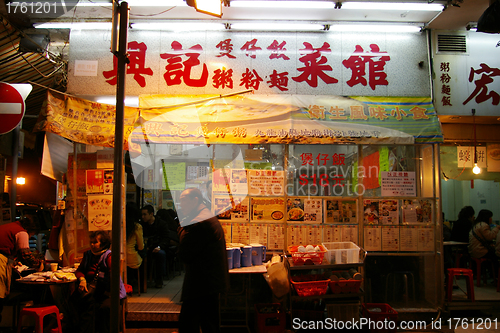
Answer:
(118, 185)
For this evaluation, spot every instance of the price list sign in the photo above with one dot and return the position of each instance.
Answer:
(398, 183)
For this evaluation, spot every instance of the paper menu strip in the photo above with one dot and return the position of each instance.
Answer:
(390, 238)
(258, 233)
(276, 236)
(373, 240)
(408, 236)
(425, 239)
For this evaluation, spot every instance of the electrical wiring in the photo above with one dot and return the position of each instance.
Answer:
(24, 58)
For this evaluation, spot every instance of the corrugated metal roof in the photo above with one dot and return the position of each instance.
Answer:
(38, 68)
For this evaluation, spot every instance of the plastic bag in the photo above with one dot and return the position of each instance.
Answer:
(277, 278)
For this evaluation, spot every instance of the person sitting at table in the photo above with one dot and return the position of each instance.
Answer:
(202, 249)
(156, 231)
(15, 247)
(134, 236)
(92, 301)
(481, 238)
(461, 227)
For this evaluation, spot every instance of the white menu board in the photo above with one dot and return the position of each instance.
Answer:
(390, 238)
(425, 239)
(296, 235)
(398, 184)
(258, 233)
(408, 236)
(240, 233)
(266, 182)
(331, 233)
(276, 236)
(373, 238)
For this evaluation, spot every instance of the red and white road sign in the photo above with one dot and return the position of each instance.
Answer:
(12, 105)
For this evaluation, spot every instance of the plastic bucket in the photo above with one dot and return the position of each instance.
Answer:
(237, 257)
(258, 254)
(246, 256)
(230, 252)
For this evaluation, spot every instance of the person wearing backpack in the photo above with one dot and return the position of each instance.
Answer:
(92, 299)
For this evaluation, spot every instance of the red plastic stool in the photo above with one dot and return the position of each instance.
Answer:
(39, 311)
(452, 272)
(479, 262)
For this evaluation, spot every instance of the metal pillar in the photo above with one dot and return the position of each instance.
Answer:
(118, 184)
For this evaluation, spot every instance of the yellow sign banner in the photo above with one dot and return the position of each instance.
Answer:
(83, 121)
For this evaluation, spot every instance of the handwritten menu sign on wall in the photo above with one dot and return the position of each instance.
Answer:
(398, 184)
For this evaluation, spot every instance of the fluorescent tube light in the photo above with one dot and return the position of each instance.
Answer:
(375, 28)
(283, 4)
(74, 25)
(179, 26)
(132, 101)
(262, 26)
(137, 3)
(392, 6)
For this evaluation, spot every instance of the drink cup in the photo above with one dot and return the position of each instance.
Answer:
(53, 266)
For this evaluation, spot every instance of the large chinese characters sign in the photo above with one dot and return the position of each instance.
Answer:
(206, 63)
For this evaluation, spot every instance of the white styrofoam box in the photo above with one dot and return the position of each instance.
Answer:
(341, 252)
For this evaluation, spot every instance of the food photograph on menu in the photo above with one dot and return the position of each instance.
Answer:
(371, 211)
(267, 209)
(231, 208)
(332, 211)
(239, 182)
(389, 212)
(417, 211)
(349, 208)
(305, 209)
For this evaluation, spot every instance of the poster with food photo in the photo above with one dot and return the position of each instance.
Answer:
(231, 208)
(221, 179)
(239, 182)
(332, 211)
(304, 209)
(94, 181)
(100, 209)
(389, 212)
(417, 211)
(349, 209)
(493, 157)
(371, 211)
(267, 209)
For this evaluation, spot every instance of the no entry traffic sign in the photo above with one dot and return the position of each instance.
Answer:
(12, 105)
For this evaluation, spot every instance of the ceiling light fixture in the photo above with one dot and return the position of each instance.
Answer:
(406, 6)
(357, 27)
(136, 3)
(74, 25)
(264, 26)
(284, 4)
(179, 26)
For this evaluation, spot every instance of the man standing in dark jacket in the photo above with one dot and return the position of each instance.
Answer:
(202, 249)
(156, 232)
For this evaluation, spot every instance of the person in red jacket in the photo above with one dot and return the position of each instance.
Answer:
(14, 248)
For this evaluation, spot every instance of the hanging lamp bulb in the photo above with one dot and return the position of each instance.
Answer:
(476, 170)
